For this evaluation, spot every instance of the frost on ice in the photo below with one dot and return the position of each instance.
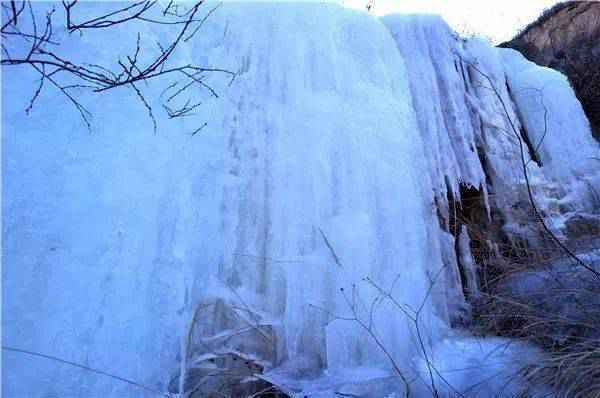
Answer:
(313, 213)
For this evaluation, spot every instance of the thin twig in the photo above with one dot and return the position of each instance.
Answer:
(84, 367)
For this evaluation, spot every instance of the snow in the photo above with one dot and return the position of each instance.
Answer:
(320, 166)
(481, 367)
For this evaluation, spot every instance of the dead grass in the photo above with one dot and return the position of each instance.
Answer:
(557, 309)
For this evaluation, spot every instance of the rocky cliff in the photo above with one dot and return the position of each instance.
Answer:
(567, 37)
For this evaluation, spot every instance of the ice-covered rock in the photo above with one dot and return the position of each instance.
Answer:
(566, 37)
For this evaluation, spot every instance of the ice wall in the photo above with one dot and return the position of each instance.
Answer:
(308, 178)
(320, 166)
(484, 115)
(471, 99)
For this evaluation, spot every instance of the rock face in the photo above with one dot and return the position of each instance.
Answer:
(567, 38)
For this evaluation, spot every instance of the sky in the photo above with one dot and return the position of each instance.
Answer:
(496, 20)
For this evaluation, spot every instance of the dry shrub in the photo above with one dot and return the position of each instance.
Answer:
(534, 293)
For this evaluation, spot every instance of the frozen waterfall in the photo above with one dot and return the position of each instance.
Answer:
(303, 227)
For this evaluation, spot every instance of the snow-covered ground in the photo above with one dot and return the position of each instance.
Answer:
(318, 168)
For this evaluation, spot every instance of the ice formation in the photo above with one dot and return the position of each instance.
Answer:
(322, 187)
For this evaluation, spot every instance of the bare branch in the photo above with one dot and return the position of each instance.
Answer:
(66, 74)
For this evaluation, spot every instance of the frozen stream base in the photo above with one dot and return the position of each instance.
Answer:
(457, 366)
